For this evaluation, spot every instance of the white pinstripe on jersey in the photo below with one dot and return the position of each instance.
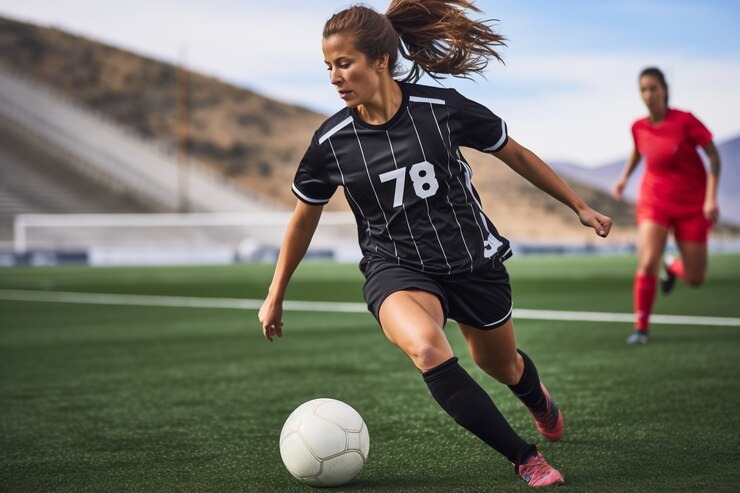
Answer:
(375, 192)
(349, 194)
(431, 221)
(405, 214)
(452, 208)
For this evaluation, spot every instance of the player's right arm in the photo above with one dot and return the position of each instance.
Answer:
(629, 167)
(298, 234)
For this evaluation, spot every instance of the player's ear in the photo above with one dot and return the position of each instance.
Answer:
(383, 62)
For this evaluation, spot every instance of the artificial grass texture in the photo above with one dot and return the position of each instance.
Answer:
(131, 398)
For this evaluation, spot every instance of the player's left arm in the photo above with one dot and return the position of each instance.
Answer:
(533, 169)
(711, 207)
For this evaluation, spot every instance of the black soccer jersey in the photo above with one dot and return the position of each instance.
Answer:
(406, 181)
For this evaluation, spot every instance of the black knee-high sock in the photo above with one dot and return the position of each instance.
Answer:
(472, 408)
(528, 389)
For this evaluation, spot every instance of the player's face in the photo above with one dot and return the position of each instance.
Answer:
(653, 93)
(356, 78)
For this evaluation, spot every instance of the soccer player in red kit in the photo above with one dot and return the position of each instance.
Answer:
(676, 194)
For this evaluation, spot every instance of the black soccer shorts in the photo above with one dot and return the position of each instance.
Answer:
(481, 299)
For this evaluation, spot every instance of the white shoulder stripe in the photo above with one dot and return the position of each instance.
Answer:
(335, 129)
(497, 146)
(419, 99)
(307, 198)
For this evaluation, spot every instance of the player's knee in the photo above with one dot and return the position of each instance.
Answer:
(695, 280)
(648, 268)
(427, 355)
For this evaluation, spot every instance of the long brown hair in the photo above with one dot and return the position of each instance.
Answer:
(435, 35)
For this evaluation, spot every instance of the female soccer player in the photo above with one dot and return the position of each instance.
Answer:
(675, 194)
(429, 251)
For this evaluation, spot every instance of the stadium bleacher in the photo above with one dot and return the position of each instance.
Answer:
(34, 181)
(57, 157)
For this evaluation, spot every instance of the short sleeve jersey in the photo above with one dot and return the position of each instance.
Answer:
(675, 177)
(406, 181)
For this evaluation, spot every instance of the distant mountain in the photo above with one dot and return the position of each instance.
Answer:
(603, 178)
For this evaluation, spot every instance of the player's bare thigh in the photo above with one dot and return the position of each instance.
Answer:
(413, 320)
(494, 351)
(651, 242)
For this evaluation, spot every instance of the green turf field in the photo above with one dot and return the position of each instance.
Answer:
(105, 398)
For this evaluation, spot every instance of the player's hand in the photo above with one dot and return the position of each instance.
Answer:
(602, 224)
(618, 190)
(711, 210)
(271, 318)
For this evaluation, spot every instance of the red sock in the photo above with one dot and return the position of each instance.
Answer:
(676, 268)
(643, 296)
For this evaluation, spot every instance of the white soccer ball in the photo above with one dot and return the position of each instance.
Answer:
(324, 442)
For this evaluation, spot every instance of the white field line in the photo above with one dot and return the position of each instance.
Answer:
(336, 307)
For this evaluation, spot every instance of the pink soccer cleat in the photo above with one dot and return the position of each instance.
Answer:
(550, 422)
(536, 472)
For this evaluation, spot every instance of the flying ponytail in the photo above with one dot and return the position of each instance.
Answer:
(434, 35)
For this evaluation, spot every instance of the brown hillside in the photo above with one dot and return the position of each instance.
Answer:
(522, 212)
(256, 141)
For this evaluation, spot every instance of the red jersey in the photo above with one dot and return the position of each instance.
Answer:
(675, 177)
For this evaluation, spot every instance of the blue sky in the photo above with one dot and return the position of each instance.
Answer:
(568, 89)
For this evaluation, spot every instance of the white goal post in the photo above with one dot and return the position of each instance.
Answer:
(179, 238)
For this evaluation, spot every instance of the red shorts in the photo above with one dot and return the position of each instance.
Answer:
(692, 227)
